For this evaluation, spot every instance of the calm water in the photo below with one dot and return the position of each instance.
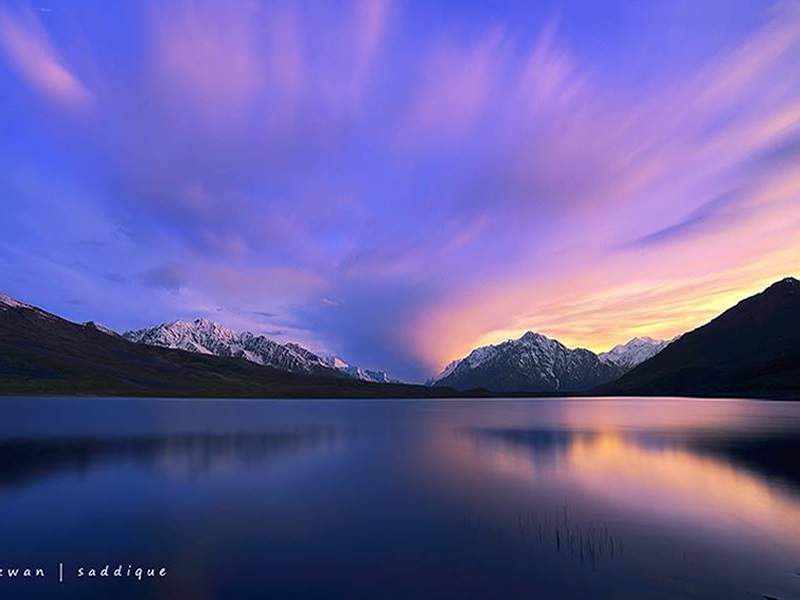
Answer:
(554, 499)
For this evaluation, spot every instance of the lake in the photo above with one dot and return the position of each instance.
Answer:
(545, 498)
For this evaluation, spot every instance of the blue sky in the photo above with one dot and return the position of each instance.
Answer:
(399, 182)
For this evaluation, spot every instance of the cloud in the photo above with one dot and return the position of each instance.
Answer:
(115, 278)
(204, 55)
(274, 332)
(370, 22)
(598, 171)
(398, 185)
(265, 313)
(28, 47)
(454, 90)
(166, 277)
(715, 213)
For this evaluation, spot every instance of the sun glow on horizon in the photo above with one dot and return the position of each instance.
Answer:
(396, 183)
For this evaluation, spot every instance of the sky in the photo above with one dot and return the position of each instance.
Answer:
(399, 182)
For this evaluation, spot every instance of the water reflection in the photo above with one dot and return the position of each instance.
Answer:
(554, 530)
(701, 484)
(775, 456)
(189, 455)
(567, 499)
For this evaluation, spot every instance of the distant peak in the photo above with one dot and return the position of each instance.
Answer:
(203, 322)
(642, 339)
(532, 335)
(191, 324)
(789, 281)
(6, 300)
(100, 327)
(785, 284)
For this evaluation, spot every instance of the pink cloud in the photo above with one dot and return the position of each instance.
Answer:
(286, 65)
(455, 89)
(344, 57)
(549, 76)
(370, 22)
(748, 72)
(30, 50)
(604, 170)
(205, 54)
(451, 189)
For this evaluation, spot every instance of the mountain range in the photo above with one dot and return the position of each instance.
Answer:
(536, 363)
(635, 352)
(208, 337)
(41, 353)
(750, 350)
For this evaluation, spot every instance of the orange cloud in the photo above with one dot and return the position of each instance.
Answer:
(663, 223)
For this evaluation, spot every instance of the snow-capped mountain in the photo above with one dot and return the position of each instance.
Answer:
(532, 363)
(7, 302)
(208, 337)
(635, 352)
(100, 327)
(364, 374)
(42, 353)
(749, 351)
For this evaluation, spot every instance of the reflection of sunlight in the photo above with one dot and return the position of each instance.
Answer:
(666, 480)
(677, 414)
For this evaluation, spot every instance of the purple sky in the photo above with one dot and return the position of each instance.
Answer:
(399, 182)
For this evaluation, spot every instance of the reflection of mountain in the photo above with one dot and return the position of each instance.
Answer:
(771, 457)
(187, 454)
(700, 479)
(544, 447)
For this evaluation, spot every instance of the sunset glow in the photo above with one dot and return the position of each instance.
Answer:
(398, 183)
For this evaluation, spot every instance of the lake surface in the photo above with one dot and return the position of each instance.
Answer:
(555, 499)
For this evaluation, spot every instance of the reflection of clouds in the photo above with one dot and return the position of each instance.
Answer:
(191, 455)
(695, 418)
(662, 477)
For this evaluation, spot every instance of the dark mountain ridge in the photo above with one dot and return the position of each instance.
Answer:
(750, 350)
(41, 353)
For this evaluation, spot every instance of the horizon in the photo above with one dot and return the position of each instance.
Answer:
(399, 184)
(646, 338)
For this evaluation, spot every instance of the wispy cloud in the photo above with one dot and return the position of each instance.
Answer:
(28, 46)
(398, 185)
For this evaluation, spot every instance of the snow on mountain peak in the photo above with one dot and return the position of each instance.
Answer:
(337, 363)
(532, 362)
(634, 352)
(100, 327)
(9, 302)
(204, 336)
(529, 340)
(534, 357)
